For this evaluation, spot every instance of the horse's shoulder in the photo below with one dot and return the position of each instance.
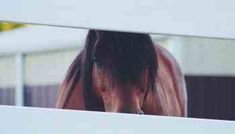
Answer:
(169, 65)
(166, 55)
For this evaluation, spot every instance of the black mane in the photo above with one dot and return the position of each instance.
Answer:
(124, 55)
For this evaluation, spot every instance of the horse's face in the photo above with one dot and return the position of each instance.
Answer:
(124, 67)
(119, 97)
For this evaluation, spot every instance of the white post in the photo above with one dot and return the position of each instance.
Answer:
(19, 89)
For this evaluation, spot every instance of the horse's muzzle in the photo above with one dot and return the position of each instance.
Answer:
(140, 112)
(131, 111)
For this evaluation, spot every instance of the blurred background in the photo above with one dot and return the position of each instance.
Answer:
(34, 61)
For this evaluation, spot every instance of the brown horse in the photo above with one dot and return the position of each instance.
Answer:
(124, 72)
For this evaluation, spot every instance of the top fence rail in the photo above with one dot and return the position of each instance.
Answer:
(202, 18)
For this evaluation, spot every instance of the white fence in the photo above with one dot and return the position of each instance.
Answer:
(211, 18)
(49, 121)
(208, 18)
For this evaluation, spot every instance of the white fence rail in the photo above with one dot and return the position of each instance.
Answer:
(54, 121)
(206, 18)
(211, 18)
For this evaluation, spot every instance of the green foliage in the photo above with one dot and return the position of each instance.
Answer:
(5, 26)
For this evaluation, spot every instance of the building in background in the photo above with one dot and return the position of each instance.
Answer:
(40, 56)
(33, 62)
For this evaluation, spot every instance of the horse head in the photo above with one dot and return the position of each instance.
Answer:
(119, 70)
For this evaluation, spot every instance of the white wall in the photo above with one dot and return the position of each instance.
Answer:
(201, 56)
(48, 68)
(7, 71)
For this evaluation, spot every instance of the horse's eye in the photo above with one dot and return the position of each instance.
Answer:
(94, 59)
(96, 62)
